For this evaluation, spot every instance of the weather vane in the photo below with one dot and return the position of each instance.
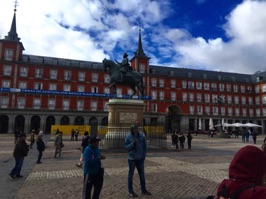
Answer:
(16, 3)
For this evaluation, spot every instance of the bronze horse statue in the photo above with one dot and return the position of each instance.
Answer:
(130, 78)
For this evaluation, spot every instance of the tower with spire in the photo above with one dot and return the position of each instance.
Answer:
(10, 47)
(140, 61)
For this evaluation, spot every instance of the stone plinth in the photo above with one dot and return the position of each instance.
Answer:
(122, 113)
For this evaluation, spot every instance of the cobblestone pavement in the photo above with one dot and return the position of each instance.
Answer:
(170, 173)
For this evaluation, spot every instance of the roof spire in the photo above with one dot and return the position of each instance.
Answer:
(12, 34)
(139, 50)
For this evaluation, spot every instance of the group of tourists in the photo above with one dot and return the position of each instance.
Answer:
(181, 138)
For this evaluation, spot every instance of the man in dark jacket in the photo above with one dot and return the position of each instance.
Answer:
(84, 144)
(21, 150)
(40, 148)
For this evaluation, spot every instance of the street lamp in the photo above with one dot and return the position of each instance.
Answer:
(221, 100)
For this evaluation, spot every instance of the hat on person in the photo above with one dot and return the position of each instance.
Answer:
(94, 139)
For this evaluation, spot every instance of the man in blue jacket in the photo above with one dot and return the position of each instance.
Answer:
(135, 144)
(93, 172)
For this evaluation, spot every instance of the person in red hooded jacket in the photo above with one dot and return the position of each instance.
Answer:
(247, 176)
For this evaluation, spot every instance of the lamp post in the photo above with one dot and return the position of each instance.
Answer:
(221, 100)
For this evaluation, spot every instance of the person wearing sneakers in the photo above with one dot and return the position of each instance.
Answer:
(135, 144)
(21, 150)
(40, 148)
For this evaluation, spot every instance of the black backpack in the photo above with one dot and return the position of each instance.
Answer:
(224, 192)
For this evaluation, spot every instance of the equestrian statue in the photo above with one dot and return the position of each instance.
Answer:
(122, 74)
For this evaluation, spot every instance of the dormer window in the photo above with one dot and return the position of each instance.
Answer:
(142, 68)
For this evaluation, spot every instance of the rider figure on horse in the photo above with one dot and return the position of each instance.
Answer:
(124, 66)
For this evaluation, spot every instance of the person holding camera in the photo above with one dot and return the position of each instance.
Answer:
(135, 144)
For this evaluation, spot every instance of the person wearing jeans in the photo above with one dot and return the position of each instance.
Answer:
(135, 144)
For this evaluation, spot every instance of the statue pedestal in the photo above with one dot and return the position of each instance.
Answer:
(122, 114)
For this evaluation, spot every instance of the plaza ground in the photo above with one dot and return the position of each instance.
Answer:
(170, 173)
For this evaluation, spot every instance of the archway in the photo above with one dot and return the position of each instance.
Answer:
(64, 120)
(50, 120)
(35, 123)
(173, 116)
(4, 123)
(104, 121)
(79, 120)
(19, 123)
(94, 125)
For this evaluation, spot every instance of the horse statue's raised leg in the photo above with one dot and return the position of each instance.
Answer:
(134, 91)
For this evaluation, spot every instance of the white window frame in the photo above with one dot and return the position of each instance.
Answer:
(51, 104)
(81, 88)
(53, 74)
(7, 70)
(161, 93)
(153, 82)
(66, 104)
(67, 87)
(206, 86)
(4, 102)
(21, 102)
(80, 105)
(6, 83)
(173, 83)
(52, 87)
(22, 85)
(161, 83)
(81, 76)
(94, 105)
(38, 72)
(173, 96)
(142, 68)
(94, 77)
(38, 85)
(23, 71)
(36, 103)
(9, 54)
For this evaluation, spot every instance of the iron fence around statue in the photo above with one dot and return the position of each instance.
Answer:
(155, 137)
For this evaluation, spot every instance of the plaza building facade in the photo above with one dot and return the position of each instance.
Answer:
(37, 92)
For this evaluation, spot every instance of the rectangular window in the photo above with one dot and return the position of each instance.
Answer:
(161, 95)
(107, 78)
(81, 88)
(243, 100)
(257, 112)
(173, 83)
(230, 111)
(207, 98)
(221, 87)
(81, 76)
(213, 86)
(38, 72)
(222, 111)
(161, 83)
(257, 100)
(80, 105)
(67, 87)
(206, 86)
(184, 84)
(4, 102)
(191, 97)
(94, 105)
(153, 82)
(173, 96)
(237, 112)
(21, 102)
(7, 70)
(198, 85)
(106, 90)
(22, 85)
(142, 68)
(36, 103)
(207, 110)
(9, 54)
(94, 77)
(51, 104)
(105, 106)
(191, 109)
(190, 85)
(215, 110)
(257, 89)
(235, 88)
(94, 89)
(154, 95)
(263, 100)
(53, 74)
(38, 86)
(228, 87)
(52, 87)
(154, 107)
(229, 99)
(66, 104)
(244, 112)
(119, 91)
(199, 97)
(184, 97)
(23, 72)
(5, 83)
(236, 100)
(199, 110)
(243, 89)
(67, 75)
(251, 112)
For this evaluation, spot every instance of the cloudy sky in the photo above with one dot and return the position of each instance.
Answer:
(220, 35)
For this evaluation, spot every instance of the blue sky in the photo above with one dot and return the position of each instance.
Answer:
(227, 35)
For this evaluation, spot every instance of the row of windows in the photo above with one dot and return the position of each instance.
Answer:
(51, 105)
(23, 72)
(230, 111)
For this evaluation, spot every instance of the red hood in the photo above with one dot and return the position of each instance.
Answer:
(249, 164)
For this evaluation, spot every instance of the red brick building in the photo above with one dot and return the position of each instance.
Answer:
(37, 92)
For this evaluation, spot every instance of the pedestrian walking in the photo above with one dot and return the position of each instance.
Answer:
(254, 137)
(72, 134)
(247, 135)
(84, 144)
(189, 139)
(182, 139)
(16, 134)
(93, 171)
(76, 135)
(58, 143)
(40, 147)
(135, 144)
(243, 135)
(176, 140)
(21, 150)
(32, 138)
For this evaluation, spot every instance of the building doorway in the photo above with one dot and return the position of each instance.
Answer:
(19, 123)
(35, 123)
(4, 123)
(49, 122)
(173, 116)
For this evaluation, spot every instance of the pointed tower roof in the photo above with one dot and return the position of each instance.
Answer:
(140, 52)
(12, 34)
